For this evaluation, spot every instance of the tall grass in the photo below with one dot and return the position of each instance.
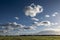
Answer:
(29, 37)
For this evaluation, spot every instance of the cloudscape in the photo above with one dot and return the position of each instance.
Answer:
(29, 17)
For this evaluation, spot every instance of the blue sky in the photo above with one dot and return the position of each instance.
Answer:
(18, 12)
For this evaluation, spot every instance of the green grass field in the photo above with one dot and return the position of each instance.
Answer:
(30, 38)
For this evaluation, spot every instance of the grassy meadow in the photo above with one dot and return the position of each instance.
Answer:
(29, 37)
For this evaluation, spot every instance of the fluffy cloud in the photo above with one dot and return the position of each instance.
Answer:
(45, 23)
(17, 18)
(54, 14)
(35, 19)
(47, 15)
(9, 27)
(33, 9)
(14, 25)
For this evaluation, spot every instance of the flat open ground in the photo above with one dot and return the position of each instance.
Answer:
(29, 37)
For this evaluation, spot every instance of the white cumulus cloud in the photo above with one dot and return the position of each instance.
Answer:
(33, 9)
(44, 23)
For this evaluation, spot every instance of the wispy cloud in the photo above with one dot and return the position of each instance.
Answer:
(17, 18)
(35, 19)
(33, 9)
(53, 29)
